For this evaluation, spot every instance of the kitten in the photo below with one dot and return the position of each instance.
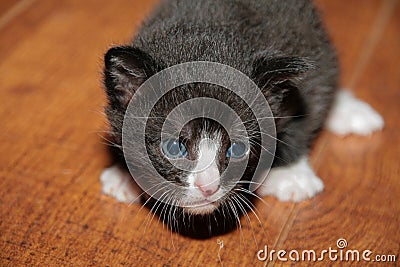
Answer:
(285, 50)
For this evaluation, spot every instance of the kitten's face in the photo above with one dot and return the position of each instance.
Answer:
(203, 142)
(208, 147)
(210, 152)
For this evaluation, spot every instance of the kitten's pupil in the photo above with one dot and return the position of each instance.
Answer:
(237, 150)
(173, 148)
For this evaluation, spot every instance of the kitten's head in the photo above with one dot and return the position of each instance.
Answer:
(203, 141)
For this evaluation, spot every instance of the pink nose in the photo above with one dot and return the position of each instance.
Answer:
(208, 189)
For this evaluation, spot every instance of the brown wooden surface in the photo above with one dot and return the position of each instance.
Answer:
(52, 211)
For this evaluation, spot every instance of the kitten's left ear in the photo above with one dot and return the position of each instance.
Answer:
(126, 68)
(278, 69)
(279, 78)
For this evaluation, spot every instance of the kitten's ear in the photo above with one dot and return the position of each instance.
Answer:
(278, 69)
(126, 68)
(278, 77)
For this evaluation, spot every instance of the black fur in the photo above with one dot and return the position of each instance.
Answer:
(281, 45)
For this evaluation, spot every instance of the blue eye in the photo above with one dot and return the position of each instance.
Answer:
(173, 149)
(237, 150)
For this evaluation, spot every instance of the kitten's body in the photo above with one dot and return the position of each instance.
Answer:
(281, 45)
(237, 33)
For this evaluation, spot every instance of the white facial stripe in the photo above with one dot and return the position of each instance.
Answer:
(205, 176)
(208, 180)
(208, 149)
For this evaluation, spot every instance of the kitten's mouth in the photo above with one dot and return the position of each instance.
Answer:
(202, 202)
(202, 207)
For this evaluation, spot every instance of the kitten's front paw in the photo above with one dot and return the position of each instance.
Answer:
(351, 115)
(295, 182)
(118, 183)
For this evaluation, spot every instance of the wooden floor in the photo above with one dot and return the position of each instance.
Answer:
(52, 211)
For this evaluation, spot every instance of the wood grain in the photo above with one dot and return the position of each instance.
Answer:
(52, 211)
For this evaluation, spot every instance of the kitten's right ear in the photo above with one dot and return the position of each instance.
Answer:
(126, 68)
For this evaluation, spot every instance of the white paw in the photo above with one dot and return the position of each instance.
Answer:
(118, 183)
(351, 115)
(295, 182)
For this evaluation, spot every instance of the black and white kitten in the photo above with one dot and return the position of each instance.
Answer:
(284, 48)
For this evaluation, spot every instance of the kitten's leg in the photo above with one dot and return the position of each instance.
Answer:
(294, 182)
(118, 183)
(351, 115)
